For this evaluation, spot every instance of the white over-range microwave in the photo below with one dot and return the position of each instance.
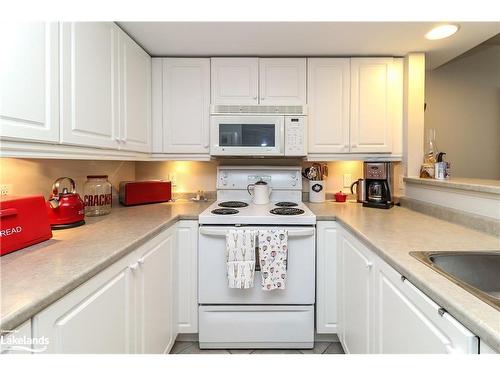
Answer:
(258, 131)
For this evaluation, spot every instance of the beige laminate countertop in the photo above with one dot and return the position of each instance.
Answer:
(393, 233)
(33, 278)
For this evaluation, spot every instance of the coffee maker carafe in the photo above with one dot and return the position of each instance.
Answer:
(377, 185)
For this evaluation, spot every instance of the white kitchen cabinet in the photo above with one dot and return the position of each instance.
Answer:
(407, 321)
(29, 81)
(18, 340)
(328, 98)
(379, 311)
(326, 277)
(126, 308)
(187, 276)
(97, 317)
(155, 294)
(90, 84)
(356, 284)
(235, 80)
(376, 104)
(282, 81)
(135, 96)
(181, 118)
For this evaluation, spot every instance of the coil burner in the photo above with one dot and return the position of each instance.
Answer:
(286, 211)
(233, 204)
(224, 211)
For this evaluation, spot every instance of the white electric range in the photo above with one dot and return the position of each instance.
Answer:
(257, 318)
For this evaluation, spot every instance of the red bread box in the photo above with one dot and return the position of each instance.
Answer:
(143, 192)
(23, 222)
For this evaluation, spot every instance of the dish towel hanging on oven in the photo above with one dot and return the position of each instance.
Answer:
(240, 258)
(273, 255)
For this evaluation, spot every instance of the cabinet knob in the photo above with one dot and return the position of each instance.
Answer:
(369, 265)
(134, 266)
(254, 98)
(141, 261)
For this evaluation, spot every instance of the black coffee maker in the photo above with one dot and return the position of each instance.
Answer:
(378, 182)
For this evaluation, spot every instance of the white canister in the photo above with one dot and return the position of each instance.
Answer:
(316, 191)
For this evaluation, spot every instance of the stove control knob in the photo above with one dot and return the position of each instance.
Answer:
(294, 183)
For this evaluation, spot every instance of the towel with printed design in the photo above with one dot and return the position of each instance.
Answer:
(273, 255)
(240, 258)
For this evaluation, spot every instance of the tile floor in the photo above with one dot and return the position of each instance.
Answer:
(191, 347)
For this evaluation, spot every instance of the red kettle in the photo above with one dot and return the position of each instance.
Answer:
(65, 208)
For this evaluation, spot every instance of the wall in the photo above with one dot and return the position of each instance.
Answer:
(35, 176)
(191, 176)
(463, 105)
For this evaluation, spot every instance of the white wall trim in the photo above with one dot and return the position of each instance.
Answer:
(479, 203)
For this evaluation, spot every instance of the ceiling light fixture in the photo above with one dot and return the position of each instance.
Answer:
(441, 32)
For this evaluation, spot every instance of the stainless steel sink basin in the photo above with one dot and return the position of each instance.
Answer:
(477, 272)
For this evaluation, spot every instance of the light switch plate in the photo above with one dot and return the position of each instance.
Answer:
(347, 180)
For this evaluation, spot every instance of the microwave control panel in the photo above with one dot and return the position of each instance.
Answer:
(295, 135)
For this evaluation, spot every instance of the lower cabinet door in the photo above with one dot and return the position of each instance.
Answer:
(357, 296)
(186, 266)
(326, 277)
(94, 318)
(409, 322)
(155, 295)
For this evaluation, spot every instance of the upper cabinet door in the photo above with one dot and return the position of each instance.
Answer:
(186, 98)
(29, 81)
(328, 102)
(372, 95)
(90, 84)
(235, 80)
(282, 81)
(135, 96)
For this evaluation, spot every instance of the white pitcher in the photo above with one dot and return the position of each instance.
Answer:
(260, 192)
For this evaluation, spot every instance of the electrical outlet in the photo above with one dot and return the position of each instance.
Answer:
(347, 180)
(5, 189)
(173, 179)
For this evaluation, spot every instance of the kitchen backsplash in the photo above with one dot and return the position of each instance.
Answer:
(190, 176)
(35, 176)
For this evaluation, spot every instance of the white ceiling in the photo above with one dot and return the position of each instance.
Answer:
(306, 38)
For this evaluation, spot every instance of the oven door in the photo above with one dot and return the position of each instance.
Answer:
(247, 135)
(212, 280)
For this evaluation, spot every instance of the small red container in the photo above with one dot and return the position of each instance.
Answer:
(144, 192)
(340, 197)
(23, 222)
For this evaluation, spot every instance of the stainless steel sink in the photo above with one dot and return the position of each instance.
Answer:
(477, 272)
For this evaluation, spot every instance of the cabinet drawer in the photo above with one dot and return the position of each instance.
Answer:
(256, 326)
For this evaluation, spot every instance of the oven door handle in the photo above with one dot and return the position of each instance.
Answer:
(291, 233)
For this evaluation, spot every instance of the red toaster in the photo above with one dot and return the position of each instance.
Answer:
(143, 192)
(23, 222)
